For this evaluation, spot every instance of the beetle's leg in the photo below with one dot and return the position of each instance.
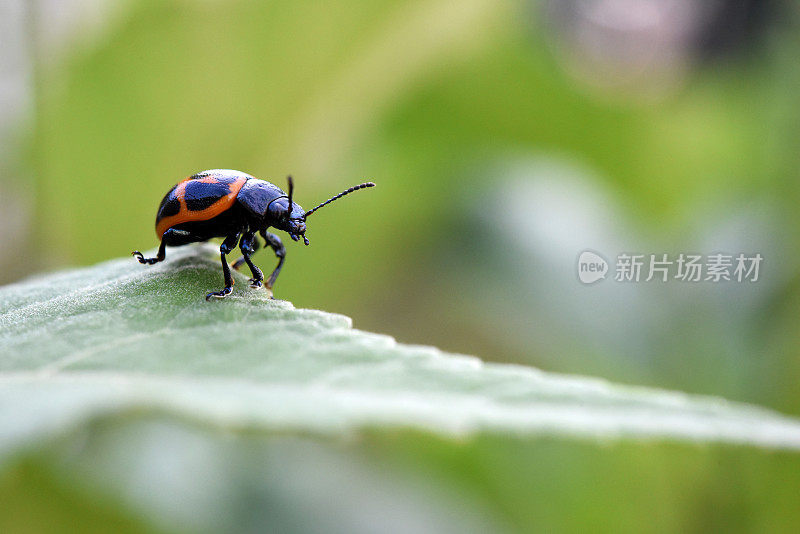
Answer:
(241, 261)
(162, 252)
(171, 238)
(246, 245)
(275, 243)
(226, 246)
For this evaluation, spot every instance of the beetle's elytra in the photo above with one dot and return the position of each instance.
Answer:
(235, 206)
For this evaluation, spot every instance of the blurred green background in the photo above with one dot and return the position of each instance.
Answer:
(505, 138)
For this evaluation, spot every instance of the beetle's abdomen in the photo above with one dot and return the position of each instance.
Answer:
(199, 198)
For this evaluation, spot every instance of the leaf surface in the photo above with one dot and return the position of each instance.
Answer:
(120, 337)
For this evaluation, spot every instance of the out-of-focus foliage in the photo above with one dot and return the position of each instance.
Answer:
(183, 477)
(186, 416)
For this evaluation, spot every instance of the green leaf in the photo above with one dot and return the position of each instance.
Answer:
(119, 337)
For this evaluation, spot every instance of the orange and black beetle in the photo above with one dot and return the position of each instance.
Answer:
(232, 205)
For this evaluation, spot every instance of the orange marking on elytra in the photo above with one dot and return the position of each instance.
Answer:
(180, 191)
(184, 215)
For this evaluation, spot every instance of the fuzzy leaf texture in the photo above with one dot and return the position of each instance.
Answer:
(121, 337)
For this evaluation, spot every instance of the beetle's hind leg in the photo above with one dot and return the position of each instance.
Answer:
(162, 253)
(248, 245)
(225, 248)
(172, 238)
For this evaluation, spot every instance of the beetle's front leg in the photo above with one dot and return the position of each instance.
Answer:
(276, 244)
(227, 245)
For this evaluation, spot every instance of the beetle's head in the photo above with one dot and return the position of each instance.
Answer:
(293, 223)
(288, 216)
(291, 217)
(296, 224)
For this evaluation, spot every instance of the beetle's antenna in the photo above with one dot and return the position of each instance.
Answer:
(340, 195)
(291, 192)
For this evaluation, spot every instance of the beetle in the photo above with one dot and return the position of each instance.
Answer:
(235, 206)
